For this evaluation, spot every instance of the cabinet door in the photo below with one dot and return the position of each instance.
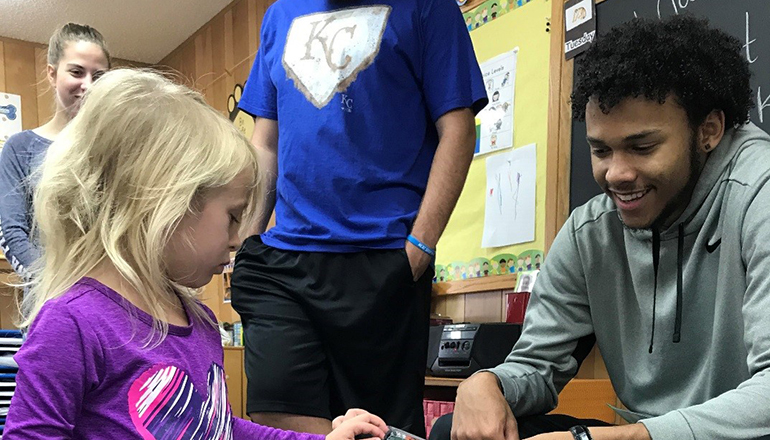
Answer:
(234, 379)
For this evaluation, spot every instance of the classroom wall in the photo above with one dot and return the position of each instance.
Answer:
(22, 72)
(220, 54)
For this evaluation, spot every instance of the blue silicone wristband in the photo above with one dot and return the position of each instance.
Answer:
(422, 246)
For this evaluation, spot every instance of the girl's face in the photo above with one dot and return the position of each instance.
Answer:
(81, 64)
(200, 246)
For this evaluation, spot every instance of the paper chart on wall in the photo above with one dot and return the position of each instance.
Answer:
(496, 131)
(509, 216)
(10, 116)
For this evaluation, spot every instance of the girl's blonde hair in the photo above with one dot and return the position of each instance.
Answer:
(141, 154)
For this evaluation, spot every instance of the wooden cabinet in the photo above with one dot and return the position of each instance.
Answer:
(9, 311)
(235, 377)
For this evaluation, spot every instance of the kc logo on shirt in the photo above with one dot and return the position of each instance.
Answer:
(325, 52)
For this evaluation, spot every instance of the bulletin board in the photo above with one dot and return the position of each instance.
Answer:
(525, 28)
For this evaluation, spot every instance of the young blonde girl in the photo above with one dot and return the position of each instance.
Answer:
(139, 203)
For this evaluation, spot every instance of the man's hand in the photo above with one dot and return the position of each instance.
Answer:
(481, 411)
(357, 422)
(418, 260)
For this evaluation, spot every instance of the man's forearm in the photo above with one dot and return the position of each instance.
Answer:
(453, 157)
(268, 165)
(265, 140)
(635, 431)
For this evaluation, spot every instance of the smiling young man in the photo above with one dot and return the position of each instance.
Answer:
(668, 270)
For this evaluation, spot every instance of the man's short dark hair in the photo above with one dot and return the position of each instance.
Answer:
(704, 69)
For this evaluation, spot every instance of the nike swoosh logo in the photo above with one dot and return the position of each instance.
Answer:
(713, 247)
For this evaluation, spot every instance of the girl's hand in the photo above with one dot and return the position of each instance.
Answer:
(357, 422)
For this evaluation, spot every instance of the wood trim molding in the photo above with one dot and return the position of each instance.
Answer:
(475, 285)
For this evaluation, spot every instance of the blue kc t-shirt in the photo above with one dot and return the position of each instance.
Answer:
(357, 87)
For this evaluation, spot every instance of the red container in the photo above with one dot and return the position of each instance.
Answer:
(516, 306)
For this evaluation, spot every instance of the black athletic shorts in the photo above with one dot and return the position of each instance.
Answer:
(324, 332)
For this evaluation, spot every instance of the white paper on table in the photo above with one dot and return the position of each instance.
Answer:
(509, 216)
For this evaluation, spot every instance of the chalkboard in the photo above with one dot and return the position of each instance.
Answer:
(744, 19)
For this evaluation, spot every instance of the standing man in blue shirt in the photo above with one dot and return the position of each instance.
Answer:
(365, 126)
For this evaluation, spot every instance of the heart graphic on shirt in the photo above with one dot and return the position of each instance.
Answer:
(164, 404)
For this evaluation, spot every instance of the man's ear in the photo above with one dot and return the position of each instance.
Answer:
(711, 130)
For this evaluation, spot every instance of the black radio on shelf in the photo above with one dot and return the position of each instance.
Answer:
(459, 350)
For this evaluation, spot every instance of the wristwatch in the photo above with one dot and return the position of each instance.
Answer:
(580, 432)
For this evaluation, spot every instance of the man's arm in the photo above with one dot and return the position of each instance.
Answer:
(636, 431)
(543, 360)
(265, 140)
(457, 137)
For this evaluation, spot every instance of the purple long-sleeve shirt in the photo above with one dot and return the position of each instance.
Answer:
(85, 373)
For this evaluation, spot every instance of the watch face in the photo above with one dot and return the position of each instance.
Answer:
(461, 2)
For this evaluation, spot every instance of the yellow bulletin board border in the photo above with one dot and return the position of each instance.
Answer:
(528, 29)
(480, 12)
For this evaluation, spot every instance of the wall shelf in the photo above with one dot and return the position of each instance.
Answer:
(475, 285)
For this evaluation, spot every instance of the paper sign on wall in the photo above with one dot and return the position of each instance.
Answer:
(10, 116)
(496, 128)
(580, 26)
(509, 216)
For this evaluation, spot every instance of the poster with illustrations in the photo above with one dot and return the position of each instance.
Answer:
(10, 116)
(477, 13)
(509, 214)
(496, 127)
(501, 264)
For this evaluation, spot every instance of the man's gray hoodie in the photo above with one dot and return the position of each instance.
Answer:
(687, 346)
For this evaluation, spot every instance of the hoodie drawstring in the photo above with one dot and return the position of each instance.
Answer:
(655, 261)
(679, 265)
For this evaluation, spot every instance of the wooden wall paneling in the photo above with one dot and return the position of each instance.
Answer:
(241, 30)
(19, 60)
(229, 57)
(172, 65)
(45, 95)
(9, 312)
(2, 67)
(483, 307)
(255, 16)
(204, 62)
(243, 34)
(211, 294)
(217, 89)
(236, 386)
(188, 66)
(452, 306)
